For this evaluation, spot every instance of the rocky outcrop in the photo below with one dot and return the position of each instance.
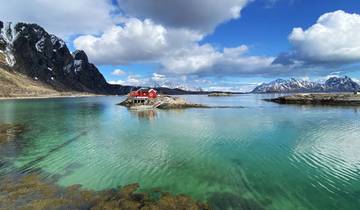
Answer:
(30, 50)
(319, 99)
(333, 84)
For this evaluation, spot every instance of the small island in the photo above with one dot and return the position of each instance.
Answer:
(338, 99)
(161, 102)
(220, 94)
(145, 98)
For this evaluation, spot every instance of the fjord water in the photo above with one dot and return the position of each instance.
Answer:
(266, 156)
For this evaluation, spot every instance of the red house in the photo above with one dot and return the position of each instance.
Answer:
(144, 93)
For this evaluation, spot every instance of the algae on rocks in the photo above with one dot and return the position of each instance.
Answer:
(31, 192)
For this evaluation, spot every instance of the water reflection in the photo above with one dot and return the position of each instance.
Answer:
(145, 114)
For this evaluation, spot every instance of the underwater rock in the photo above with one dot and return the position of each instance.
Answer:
(9, 132)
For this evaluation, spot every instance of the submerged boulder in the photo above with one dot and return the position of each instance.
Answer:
(10, 131)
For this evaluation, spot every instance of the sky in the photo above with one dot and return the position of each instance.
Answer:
(232, 46)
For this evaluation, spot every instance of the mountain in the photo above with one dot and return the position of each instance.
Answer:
(28, 49)
(333, 84)
(341, 84)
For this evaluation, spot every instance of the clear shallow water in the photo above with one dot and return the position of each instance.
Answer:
(273, 156)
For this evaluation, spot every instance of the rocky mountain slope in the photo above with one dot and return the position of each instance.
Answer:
(333, 84)
(17, 85)
(29, 50)
(14, 84)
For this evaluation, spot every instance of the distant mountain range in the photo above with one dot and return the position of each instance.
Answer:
(333, 84)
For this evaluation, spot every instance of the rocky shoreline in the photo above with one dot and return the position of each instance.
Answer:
(334, 99)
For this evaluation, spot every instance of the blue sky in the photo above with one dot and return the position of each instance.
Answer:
(266, 25)
(183, 43)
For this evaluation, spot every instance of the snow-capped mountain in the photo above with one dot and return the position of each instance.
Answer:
(33, 52)
(341, 84)
(333, 84)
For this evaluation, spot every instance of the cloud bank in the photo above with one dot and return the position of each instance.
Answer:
(199, 15)
(333, 39)
(134, 41)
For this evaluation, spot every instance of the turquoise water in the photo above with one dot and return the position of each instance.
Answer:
(267, 155)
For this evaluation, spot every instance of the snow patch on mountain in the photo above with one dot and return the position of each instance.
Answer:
(7, 35)
(333, 84)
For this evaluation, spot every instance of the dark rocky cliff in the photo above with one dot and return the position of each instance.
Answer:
(30, 50)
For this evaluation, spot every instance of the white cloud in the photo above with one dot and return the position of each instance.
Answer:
(63, 18)
(190, 60)
(199, 15)
(177, 51)
(334, 38)
(160, 80)
(134, 41)
(236, 51)
(131, 80)
(117, 82)
(118, 72)
(158, 77)
(172, 39)
(206, 60)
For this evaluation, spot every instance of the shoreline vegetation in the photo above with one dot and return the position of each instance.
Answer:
(333, 99)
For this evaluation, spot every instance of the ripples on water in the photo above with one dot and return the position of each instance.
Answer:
(264, 156)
